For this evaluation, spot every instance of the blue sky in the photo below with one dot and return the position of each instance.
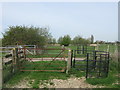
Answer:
(74, 18)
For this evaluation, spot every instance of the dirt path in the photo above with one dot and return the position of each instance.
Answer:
(72, 82)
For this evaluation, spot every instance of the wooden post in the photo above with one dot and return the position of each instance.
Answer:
(96, 47)
(1, 69)
(24, 52)
(68, 61)
(116, 47)
(13, 60)
(16, 60)
(35, 48)
(108, 48)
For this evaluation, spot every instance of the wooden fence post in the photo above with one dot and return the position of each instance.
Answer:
(35, 48)
(24, 52)
(96, 47)
(69, 61)
(1, 73)
(108, 48)
(16, 60)
(13, 60)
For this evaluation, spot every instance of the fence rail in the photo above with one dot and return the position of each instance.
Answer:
(10, 63)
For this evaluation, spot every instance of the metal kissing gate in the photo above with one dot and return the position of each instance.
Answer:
(95, 63)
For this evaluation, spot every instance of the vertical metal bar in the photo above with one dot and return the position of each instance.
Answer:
(71, 57)
(87, 65)
(100, 65)
(107, 65)
(83, 49)
(95, 60)
(77, 49)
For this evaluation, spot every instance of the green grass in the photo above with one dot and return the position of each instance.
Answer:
(108, 81)
(38, 76)
(44, 65)
(54, 53)
(103, 47)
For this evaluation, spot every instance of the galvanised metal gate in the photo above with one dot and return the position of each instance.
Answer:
(94, 63)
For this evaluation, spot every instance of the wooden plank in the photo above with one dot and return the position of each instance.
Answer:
(68, 61)
(1, 69)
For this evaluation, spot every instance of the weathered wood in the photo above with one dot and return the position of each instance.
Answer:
(35, 49)
(69, 61)
(108, 48)
(13, 59)
(1, 69)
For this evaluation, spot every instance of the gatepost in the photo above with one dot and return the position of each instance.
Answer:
(69, 61)
(1, 76)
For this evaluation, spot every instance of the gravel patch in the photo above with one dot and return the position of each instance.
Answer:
(72, 82)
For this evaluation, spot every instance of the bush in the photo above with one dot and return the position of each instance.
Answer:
(24, 35)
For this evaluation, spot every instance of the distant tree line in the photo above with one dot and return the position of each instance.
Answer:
(24, 35)
(77, 40)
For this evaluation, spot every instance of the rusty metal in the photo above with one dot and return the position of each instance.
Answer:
(46, 70)
(61, 56)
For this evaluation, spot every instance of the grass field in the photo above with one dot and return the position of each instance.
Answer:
(109, 82)
(37, 76)
(43, 65)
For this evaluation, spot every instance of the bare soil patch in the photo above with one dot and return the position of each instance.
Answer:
(72, 82)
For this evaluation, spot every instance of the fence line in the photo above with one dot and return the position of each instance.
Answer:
(10, 64)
